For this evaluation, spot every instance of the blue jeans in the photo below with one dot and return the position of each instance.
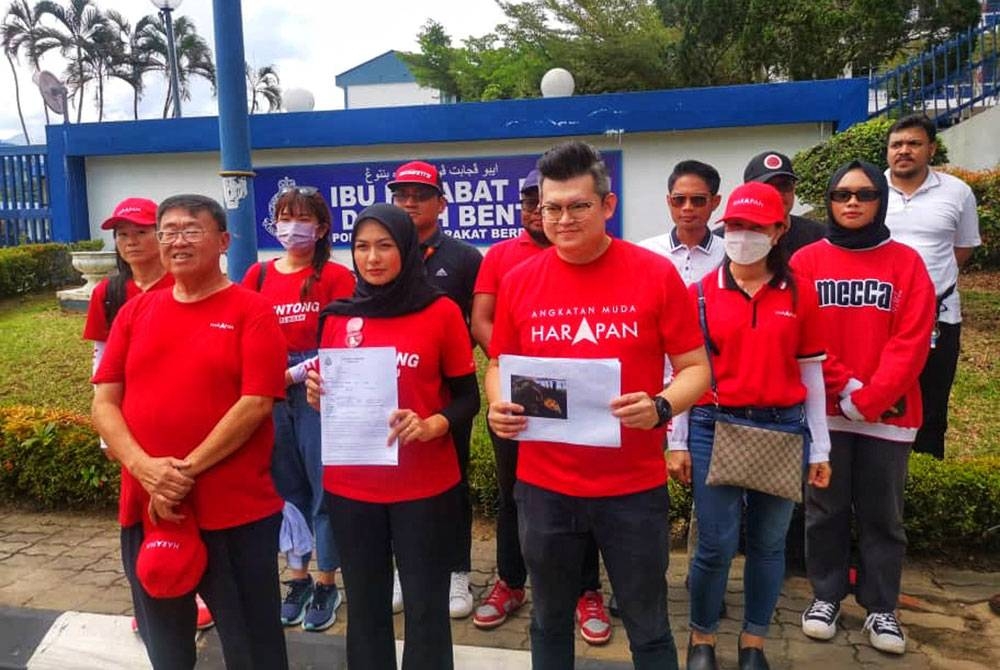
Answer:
(297, 467)
(718, 509)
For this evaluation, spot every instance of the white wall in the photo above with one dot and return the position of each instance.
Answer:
(390, 95)
(647, 160)
(974, 144)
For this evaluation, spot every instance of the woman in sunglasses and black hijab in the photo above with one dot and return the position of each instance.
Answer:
(877, 303)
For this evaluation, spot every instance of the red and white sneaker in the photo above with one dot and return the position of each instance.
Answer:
(205, 619)
(498, 605)
(595, 627)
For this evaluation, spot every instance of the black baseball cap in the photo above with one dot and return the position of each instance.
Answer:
(768, 165)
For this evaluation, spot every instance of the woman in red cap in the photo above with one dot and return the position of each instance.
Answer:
(137, 255)
(763, 333)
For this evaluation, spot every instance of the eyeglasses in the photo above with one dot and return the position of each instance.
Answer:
(419, 195)
(695, 200)
(187, 234)
(554, 213)
(843, 195)
(783, 184)
(306, 191)
(529, 205)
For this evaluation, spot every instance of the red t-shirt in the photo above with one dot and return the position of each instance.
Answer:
(629, 304)
(298, 317)
(96, 327)
(502, 258)
(183, 366)
(760, 340)
(430, 345)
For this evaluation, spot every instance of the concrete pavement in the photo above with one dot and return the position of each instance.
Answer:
(55, 566)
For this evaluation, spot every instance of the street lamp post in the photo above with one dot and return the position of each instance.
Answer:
(166, 7)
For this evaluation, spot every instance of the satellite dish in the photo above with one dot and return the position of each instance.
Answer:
(53, 91)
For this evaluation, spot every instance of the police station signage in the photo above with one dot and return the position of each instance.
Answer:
(483, 194)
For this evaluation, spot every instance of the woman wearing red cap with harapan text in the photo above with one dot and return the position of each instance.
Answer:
(137, 255)
(763, 333)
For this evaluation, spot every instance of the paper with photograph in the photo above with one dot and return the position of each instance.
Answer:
(359, 394)
(565, 399)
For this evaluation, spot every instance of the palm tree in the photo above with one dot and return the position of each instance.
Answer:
(263, 83)
(80, 34)
(130, 61)
(194, 57)
(20, 33)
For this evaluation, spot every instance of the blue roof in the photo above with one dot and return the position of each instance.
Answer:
(387, 68)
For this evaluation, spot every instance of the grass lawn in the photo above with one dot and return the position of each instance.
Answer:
(45, 363)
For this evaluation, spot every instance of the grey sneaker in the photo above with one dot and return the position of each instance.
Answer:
(297, 598)
(322, 610)
(884, 632)
(819, 621)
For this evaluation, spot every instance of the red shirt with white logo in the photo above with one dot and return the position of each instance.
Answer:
(298, 316)
(183, 366)
(628, 304)
(96, 328)
(760, 340)
(431, 344)
(503, 257)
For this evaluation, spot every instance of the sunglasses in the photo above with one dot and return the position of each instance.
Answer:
(695, 200)
(306, 191)
(864, 195)
(419, 195)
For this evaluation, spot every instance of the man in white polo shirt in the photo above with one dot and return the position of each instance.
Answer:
(935, 213)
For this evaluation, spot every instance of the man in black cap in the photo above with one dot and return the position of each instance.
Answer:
(771, 167)
(452, 266)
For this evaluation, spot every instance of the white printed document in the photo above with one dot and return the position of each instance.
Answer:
(359, 394)
(565, 399)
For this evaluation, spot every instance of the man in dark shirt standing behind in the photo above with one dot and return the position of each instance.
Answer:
(452, 266)
(775, 169)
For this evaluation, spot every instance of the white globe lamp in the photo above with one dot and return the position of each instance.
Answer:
(557, 83)
(298, 100)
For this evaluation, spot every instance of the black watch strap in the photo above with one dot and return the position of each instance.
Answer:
(664, 412)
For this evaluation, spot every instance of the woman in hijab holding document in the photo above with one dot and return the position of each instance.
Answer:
(409, 509)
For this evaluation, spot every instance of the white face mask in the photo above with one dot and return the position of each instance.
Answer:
(296, 235)
(746, 247)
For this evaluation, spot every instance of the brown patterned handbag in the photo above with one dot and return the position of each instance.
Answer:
(751, 457)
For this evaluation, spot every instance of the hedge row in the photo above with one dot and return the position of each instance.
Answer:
(866, 141)
(38, 267)
(51, 459)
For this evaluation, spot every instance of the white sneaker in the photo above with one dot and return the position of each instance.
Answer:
(884, 632)
(460, 602)
(819, 621)
(397, 593)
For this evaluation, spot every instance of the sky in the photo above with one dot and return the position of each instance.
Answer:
(309, 41)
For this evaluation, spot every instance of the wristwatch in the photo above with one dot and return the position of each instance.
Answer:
(663, 410)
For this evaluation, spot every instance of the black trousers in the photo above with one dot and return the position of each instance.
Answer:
(869, 475)
(239, 588)
(461, 434)
(632, 532)
(935, 387)
(510, 562)
(421, 534)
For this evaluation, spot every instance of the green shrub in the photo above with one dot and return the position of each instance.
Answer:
(986, 185)
(36, 267)
(865, 141)
(52, 459)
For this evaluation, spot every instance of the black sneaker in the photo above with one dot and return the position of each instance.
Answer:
(297, 598)
(322, 611)
(819, 621)
(884, 632)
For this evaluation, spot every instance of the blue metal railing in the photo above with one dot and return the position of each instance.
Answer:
(948, 82)
(25, 216)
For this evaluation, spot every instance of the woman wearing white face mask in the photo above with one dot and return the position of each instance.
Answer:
(762, 330)
(300, 284)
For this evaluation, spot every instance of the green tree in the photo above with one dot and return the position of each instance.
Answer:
(80, 26)
(432, 66)
(194, 57)
(264, 84)
(130, 60)
(18, 33)
(709, 50)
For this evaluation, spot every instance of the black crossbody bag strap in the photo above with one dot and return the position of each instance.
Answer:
(710, 348)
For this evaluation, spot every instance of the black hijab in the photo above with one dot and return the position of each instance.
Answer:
(409, 292)
(876, 232)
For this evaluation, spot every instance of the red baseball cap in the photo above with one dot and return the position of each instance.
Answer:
(172, 558)
(416, 172)
(140, 211)
(755, 202)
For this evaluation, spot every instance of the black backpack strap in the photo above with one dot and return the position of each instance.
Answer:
(260, 276)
